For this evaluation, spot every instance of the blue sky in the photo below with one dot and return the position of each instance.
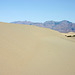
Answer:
(37, 10)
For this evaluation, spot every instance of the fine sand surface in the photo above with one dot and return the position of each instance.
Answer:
(31, 50)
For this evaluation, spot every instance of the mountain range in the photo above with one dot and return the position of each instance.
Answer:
(61, 26)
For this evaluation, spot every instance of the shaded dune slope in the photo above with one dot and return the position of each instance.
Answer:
(31, 50)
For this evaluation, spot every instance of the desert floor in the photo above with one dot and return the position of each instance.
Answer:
(32, 50)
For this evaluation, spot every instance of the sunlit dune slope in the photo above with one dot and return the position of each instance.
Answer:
(31, 50)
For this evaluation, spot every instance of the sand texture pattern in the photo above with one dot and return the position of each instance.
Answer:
(32, 50)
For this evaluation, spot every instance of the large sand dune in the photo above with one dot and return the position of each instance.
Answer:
(31, 50)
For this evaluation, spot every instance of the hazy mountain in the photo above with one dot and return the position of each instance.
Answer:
(61, 26)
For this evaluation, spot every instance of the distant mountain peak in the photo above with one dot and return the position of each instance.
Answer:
(66, 21)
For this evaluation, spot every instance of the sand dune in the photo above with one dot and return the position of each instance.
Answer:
(31, 50)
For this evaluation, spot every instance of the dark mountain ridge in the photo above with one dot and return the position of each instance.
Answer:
(61, 26)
